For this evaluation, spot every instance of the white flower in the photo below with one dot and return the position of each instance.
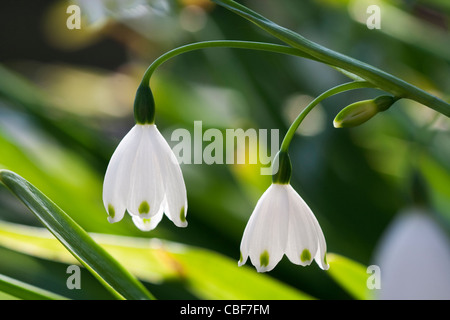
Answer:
(282, 223)
(414, 258)
(144, 178)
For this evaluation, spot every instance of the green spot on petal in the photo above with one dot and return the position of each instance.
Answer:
(264, 259)
(111, 211)
(182, 215)
(240, 257)
(144, 207)
(146, 220)
(305, 256)
(325, 258)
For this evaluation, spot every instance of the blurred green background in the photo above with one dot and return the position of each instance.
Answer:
(66, 101)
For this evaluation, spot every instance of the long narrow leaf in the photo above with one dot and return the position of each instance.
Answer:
(25, 291)
(204, 273)
(101, 264)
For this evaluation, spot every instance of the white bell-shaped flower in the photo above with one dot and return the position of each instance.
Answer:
(282, 223)
(144, 178)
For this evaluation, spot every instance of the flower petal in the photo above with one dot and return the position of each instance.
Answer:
(117, 182)
(321, 255)
(305, 237)
(146, 192)
(147, 224)
(174, 186)
(265, 235)
(302, 241)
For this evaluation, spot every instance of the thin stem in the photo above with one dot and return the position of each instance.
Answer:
(261, 46)
(338, 89)
(379, 78)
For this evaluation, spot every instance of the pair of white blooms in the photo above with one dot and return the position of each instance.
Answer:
(145, 179)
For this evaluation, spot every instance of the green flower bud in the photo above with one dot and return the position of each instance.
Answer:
(282, 168)
(144, 106)
(359, 112)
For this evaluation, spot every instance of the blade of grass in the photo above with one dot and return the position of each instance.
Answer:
(120, 282)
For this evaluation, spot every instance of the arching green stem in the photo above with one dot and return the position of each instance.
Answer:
(251, 45)
(144, 104)
(338, 89)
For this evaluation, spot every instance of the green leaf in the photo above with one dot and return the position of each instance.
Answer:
(213, 276)
(25, 291)
(381, 79)
(204, 273)
(350, 275)
(102, 265)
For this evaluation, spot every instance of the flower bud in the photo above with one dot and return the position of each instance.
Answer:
(359, 112)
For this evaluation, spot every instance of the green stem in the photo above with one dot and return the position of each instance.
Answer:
(379, 78)
(338, 89)
(261, 46)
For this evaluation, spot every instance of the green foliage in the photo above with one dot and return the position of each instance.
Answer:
(24, 291)
(352, 276)
(204, 273)
(116, 278)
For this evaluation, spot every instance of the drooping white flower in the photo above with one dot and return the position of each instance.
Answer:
(282, 223)
(144, 178)
(413, 255)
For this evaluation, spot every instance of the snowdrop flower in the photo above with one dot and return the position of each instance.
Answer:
(282, 223)
(143, 176)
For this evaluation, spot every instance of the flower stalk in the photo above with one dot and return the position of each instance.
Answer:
(333, 91)
(377, 77)
(234, 44)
